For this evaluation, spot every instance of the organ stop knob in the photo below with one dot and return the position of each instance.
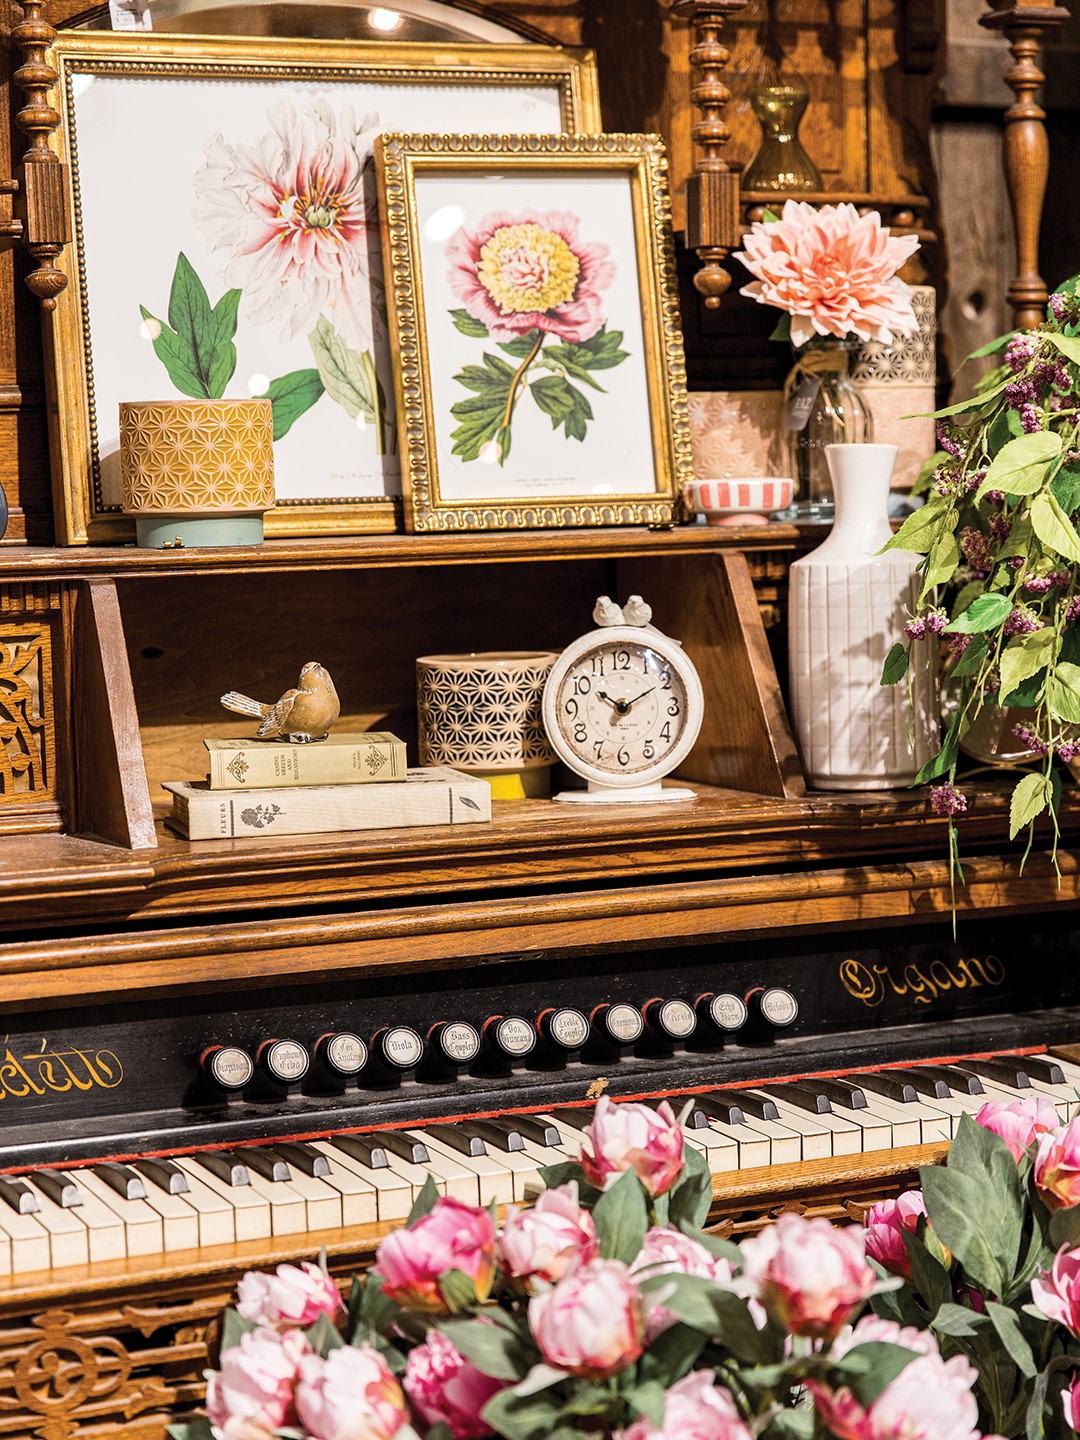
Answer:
(283, 1062)
(673, 1021)
(618, 1025)
(226, 1068)
(773, 1006)
(342, 1053)
(456, 1043)
(722, 1011)
(564, 1028)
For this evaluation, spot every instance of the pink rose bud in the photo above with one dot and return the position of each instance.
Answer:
(1020, 1123)
(1056, 1292)
(633, 1137)
(809, 1275)
(931, 1398)
(667, 1251)
(351, 1395)
(546, 1240)
(1070, 1401)
(694, 1409)
(591, 1322)
(293, 1296)
(1057, 1166)
(452, 1236)
(884, 1226)
(254, 1386)
(444, 1387)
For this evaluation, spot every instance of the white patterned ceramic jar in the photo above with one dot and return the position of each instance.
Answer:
(481, 713)
(847, 606)
(197, 472)
(898, 381)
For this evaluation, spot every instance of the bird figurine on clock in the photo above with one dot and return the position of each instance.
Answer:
(301, 715)
(622, 707)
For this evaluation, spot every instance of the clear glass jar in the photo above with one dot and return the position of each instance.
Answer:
(823, 406)
(778, 98)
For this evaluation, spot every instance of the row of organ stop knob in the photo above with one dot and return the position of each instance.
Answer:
(503, 1041)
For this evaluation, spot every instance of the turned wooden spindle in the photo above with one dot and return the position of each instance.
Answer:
(38, 191)
(1027, 154)
(712, 191)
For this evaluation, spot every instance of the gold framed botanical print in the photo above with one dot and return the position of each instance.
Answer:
(534, 309)
(225, 244)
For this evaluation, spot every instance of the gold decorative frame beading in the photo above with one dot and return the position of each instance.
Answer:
(402, 159)
(82, 514)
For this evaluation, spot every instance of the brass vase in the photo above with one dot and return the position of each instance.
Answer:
(781, 163)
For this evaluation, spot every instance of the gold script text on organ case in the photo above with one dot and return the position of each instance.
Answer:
(920, 983)
(55, 1072)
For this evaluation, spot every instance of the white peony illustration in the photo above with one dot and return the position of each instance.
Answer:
(299, 220)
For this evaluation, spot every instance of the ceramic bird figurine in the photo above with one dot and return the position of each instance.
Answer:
(301, 715)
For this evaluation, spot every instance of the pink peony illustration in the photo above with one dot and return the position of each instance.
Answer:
(292, 212)
(517, 273)
(833, 271)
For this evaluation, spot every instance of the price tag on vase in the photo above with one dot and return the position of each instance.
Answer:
(802, 403)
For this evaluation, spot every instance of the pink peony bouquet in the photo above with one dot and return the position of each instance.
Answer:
(606, 1310)
(832, 271)
(989, 1250)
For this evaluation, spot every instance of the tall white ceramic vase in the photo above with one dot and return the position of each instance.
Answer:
(847, 607)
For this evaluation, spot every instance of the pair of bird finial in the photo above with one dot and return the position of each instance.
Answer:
(634, 612)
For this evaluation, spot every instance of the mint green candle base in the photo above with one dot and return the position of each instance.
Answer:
(168, 532)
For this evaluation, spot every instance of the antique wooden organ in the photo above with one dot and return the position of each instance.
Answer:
(224, 1055)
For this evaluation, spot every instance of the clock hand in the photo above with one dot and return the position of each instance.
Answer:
(629, 703)
(621, 707)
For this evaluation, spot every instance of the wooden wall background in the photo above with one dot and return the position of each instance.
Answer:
(875, 69)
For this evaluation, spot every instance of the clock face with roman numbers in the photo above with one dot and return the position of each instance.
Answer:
(623, 706)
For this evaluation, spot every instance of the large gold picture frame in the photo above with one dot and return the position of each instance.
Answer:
(534, 306)
(122, 148)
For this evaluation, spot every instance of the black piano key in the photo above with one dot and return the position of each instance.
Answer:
(845, 1092)
(1002, 1071)
(458, 1137)
(365, 1148)
(501, 1134)
(304, 1158)
(928, 1080)
(540, 1132)
(758, 1107)
(224, 1165)
(694, 1118)
(415, 1151)
(722, 1107)
(265, 1163)
(961, 1082)
(805, 1095)
(165, 1175)
(19, 1196)
(127, 1184)
(61, 1189)
(1043, 1068)
(884, 1082)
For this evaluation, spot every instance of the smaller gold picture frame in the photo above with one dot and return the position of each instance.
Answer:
(533, 307)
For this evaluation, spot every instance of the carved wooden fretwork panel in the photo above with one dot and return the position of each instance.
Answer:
(27, 727)
(121, 1370)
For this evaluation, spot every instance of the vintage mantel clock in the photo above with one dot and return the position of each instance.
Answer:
(622, 707)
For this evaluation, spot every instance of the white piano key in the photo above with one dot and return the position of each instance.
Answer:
(358, 1198)
(753, 1148)
(721, 1151)
(815, 1138)
(573, 1135)
(321, 1200)
(288, 1212)
(494, 1179)
(785, 1144)
(846, 1134)
(394, 1194)
(1062, 1096)
(1070, 1069)
(105, 1233)
(28, 1241)
(251, 1213)
(215, 1217)
(875, 1128)
(524, 1171)
(5, 1253)
(143, 1234)
(179, 1220)
(68, 1243)
(905, 1120)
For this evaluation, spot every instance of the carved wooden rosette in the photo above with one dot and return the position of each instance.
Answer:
(1027, 156)
(712, 192)
(39, 189)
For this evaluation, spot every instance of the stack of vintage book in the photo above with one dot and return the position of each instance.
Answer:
(345, 782)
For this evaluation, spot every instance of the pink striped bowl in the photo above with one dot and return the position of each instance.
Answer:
(719, 499)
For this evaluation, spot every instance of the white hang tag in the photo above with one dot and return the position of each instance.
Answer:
(802, 403)
(130, 15)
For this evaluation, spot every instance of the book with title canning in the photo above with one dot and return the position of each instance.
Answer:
(428, 795)
(357, 759)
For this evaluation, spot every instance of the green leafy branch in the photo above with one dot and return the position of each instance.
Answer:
(497, 386)
(197, 347)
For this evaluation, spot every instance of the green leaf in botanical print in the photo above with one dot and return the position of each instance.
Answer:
(291, 396)
(464, 322)
(348, 381)
(483, 415)
(566, 405)
(196, 346)
(600, 352)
